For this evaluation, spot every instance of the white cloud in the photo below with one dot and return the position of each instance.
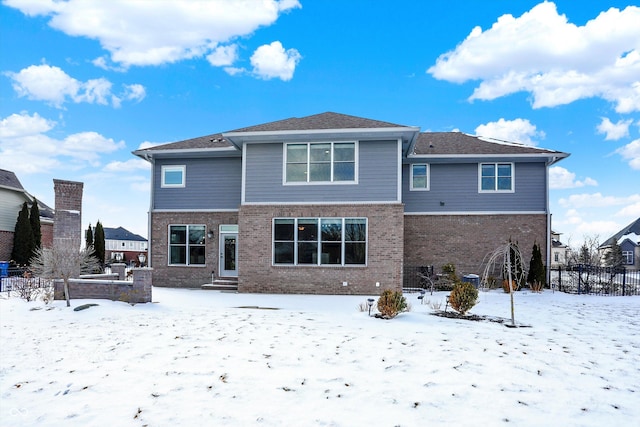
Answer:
(223, 55)
(631, 152)
(20, 125)
(52, 85)
(272, 61)
(518, 130)
(614, 131)
(149, 144)
(128, 166)
(25, 147)
(596, 200)
(556, 61)
(561, 178)
(153, 33)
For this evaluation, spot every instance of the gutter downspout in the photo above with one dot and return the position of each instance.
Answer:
(548, 236)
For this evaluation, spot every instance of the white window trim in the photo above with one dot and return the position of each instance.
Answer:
(495, 190)
(332, 182)
(628, 257)
(411, 187)
(174, 168)
(319, 241)
(187, 244)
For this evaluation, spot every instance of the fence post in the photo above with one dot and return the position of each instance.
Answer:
(579, 277)
(624, 279)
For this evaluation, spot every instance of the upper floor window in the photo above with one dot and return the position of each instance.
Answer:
(420, 177)
(496, 177)
(186, 244)
(173, 176)
(627, 257)
(320, 162)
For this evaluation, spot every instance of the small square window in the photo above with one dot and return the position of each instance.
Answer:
(496, 177)
(173, 176)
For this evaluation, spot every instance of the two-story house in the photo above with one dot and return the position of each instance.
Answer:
(629, 241)
(122, 245)
(337, 204)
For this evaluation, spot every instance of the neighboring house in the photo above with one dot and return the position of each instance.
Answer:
(124, 246)
(560, 252)
(337, 204)
(12, 197)
(629, 241)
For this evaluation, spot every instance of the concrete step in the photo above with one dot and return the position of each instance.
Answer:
(222, 285)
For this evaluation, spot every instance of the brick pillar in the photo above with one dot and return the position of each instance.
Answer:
(67, 226)
(142, 283)
(119, 269)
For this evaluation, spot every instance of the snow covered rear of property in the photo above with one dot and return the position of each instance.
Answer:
(213, 358)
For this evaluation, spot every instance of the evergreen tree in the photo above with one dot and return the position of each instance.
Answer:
(34, 219)
(613, 257)
(537, 272)
(88, 237)
(23, 244)
(98, 243)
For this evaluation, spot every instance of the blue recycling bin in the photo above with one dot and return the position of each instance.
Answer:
(474, 279)
(4, 269)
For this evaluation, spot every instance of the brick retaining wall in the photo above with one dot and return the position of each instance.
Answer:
(137, 291)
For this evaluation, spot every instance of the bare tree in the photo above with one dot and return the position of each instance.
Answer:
(64, 261)
(506, 257)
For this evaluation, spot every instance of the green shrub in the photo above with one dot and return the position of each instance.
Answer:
(463, 297)
(391, 303)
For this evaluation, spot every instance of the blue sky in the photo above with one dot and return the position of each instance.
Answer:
(85, 82)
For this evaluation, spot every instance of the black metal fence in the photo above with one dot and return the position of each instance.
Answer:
(19, 279)
(595, 280)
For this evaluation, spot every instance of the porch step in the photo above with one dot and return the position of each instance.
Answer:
(222, 285)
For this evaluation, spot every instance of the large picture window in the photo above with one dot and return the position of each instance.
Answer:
(320, 241)
(320, 162)
(496, 177)
(186, 244)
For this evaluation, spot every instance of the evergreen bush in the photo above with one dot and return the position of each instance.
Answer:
(391, 303)
(463, 297)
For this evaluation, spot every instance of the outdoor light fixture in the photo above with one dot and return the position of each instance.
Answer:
(210, 235)
(370, 303)
(142, 258)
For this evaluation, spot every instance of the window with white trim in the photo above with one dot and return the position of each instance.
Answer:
(627, 257)
(174, 176)
(186, 244)
(320, 241)
(320, 162)
(420, 177)
(496, 177)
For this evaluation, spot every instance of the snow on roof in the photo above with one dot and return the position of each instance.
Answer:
(634, 237)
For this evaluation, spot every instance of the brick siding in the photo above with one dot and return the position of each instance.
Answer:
(465, 240)
(68, 217)
(185, 276)
(384, 260)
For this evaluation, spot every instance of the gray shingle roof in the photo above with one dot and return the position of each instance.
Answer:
(10, 180)
(328, 120)
(634, 227)
(451, 143)
(121, 234)
(208, 141)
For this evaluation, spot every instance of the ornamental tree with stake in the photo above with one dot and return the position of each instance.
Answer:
(505, 257)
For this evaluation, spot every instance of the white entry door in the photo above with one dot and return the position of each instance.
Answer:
(228, 251)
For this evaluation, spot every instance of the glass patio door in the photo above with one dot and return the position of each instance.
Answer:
(228, 251)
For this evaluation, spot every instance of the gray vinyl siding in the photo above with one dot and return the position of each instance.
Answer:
(10, 205)
(377, 177)
(456, 185)
(211, 183)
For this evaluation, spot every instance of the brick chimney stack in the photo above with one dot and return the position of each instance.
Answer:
(68, 217)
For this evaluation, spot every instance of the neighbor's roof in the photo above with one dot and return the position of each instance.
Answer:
(631, 229)
(9, 179)
(121, 234)
(452, 143)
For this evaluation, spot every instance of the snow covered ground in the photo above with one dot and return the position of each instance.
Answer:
(209, 358)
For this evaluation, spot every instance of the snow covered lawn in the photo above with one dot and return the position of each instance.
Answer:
(209, 358)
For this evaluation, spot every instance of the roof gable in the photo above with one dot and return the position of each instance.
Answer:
(9, 179)
(322, 121)
(633, 228)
